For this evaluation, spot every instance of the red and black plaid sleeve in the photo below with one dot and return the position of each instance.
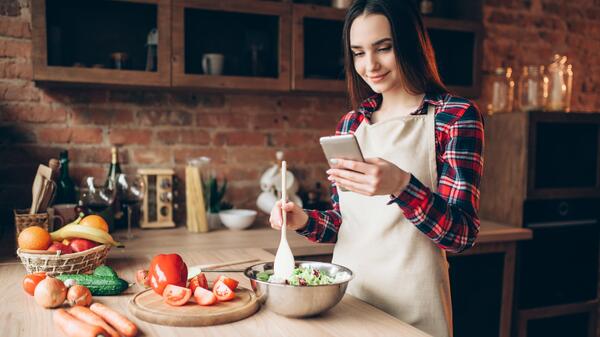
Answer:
(448, 216)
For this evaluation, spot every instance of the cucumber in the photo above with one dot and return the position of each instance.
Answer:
(105, 271)
(103, 282)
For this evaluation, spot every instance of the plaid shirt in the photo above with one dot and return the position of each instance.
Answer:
(449, 216)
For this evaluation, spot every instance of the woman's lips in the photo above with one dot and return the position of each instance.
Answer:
(378, 78)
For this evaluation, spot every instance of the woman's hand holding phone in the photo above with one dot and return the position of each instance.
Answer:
(296, 217)
(374, 176)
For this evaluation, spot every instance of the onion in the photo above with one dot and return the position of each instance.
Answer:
(50, 293)
(79, 295)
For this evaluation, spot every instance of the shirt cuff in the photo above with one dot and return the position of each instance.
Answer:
(310, 225)
(414, 196)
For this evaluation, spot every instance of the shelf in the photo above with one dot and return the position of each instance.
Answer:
(255, 45)
(73, 41)
(251, 39)
(317, 49)
(457, 45)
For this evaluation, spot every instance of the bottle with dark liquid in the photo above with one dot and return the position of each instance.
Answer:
(65, 191)
(111, 182)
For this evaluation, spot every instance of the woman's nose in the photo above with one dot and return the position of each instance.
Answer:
(372, 62)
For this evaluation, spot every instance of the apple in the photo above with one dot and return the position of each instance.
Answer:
(56, 246)
(79, 245)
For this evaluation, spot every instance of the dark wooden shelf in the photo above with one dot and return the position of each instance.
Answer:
(305, 66)
(69, 32)
(269, 19)
(299, 46)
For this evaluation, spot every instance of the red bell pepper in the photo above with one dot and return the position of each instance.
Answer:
(167, 269)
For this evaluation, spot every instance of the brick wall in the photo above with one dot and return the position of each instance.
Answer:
(241, 132)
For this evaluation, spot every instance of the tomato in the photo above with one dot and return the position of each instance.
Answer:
(198, 281)
(230, 282)
(31, 281)
(167, 269)
(204, 296)
(223, 292)
(79, 245)
(176, 295)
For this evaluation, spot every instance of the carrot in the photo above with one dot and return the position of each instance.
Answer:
(118, 321)
(89, 317)
(73, 327)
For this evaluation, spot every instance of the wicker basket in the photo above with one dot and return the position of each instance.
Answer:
(55, 264)
(23, 220)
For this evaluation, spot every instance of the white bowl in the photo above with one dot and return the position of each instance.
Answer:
(237, 219)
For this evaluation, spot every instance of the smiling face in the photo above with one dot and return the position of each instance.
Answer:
(373, 52)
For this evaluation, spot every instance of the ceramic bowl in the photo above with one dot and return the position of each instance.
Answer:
(237, 219)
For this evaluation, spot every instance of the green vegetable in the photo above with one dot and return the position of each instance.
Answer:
(103, 282)
(264, 275)
(309, 277)
(105, 271)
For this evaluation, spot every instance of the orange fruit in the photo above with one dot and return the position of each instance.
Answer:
(35, 238)
(95, 221)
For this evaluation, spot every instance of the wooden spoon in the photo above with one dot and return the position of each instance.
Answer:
(284, 259)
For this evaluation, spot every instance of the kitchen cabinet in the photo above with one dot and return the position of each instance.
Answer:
(457, 45)
(84, 41)
(252, 38)
(251, 45)
(317, 49)
(318, 58)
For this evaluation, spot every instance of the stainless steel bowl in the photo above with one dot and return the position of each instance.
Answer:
(298, 301)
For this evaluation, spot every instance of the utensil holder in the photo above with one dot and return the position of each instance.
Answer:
(23, 220)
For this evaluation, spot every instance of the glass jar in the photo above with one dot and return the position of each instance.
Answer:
(560, 85)
(502, 91)
(531, 89)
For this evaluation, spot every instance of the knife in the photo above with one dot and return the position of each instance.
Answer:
(207, 268)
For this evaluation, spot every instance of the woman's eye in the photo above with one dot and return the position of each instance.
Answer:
(358, 53)
(384, 49)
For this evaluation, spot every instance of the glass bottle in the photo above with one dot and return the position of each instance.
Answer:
(502, 91)
(531, 88)
(114, 169)
(560, 84)
(65, 191)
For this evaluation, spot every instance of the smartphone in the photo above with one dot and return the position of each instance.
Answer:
(342, 147)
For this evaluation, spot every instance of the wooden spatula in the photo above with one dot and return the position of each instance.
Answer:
(37, 189)
(284, 259)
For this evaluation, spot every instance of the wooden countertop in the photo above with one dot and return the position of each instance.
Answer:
(21, 316)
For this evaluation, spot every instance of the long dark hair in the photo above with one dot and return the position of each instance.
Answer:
(411, 44)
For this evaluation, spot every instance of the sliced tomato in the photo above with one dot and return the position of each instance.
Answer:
(204, 296)
(230, 282)
(176, 295)
(198, 281)
(30, 281)
(223, 292)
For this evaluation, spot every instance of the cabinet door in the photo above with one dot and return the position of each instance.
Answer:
(101, 42)
(231, 44)
(317, 49)
(457, 46)
(476, 285)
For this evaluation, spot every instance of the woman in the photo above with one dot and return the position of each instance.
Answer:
(417, 194)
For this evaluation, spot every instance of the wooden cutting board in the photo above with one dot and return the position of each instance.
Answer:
(149, 306)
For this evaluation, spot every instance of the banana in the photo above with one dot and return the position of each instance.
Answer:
(80, 231)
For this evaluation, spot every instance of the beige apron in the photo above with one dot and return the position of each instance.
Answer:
(397, 268)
